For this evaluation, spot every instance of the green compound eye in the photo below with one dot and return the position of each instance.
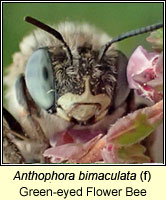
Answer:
(39, 79)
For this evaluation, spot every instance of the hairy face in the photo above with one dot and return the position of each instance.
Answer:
(85, 87)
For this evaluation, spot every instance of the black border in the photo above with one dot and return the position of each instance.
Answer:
(105, 164)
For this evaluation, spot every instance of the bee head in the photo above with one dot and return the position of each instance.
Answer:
(82, 88)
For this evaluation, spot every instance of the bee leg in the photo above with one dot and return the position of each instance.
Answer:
(11, 123)
(32, 112)
(11, 153)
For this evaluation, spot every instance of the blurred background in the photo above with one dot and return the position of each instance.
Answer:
(113, 18)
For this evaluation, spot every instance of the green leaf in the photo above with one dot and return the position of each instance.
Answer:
(137, 132)
(156, 39)
(133, 154)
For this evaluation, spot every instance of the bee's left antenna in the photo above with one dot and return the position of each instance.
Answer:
(51, 31)
(127, 35)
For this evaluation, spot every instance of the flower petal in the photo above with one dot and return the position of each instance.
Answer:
(145, 74)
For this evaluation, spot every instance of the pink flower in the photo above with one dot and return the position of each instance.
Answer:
(145, 73)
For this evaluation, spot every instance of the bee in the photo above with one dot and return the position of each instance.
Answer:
(68, 79)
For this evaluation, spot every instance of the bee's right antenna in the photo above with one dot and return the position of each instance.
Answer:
(127, 35)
